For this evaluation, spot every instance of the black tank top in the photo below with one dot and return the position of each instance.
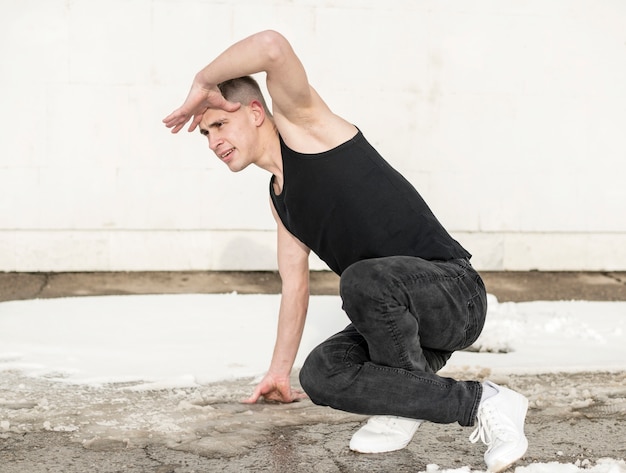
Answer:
(348, 204)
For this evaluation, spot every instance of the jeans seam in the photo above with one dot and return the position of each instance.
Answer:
(400, 348)
(472, 318)
(474, 409)
(415, 278)
(408, 374)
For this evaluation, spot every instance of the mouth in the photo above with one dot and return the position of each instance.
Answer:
(224, 156)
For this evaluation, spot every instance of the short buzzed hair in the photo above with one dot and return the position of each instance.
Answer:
(243, 90)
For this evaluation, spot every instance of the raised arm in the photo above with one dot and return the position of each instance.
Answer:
(301, 116)
(293, 266)
(267, 51)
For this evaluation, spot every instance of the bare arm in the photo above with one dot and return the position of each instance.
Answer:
(302, 117)
(293, 266)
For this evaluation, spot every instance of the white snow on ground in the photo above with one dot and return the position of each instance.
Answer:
(170, 341)
(604, 465)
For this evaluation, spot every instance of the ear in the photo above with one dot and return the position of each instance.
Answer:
(257, 112)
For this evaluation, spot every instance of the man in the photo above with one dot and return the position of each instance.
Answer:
(408, 288)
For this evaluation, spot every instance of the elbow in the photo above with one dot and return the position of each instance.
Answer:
(295, 283)
(299, 289)
(273, 44)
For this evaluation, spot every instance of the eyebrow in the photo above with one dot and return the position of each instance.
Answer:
(214, 124)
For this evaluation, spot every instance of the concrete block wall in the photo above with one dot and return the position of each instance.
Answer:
(508, 116)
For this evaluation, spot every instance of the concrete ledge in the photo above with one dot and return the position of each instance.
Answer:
(506, 286)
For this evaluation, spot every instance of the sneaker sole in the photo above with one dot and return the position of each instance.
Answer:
(392, 448)
(504, 464)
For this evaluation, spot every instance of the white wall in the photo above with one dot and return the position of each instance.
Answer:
(509, 116)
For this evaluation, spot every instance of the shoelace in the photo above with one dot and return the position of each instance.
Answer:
(492, 427)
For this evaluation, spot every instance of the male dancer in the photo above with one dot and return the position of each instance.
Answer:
(407, 286)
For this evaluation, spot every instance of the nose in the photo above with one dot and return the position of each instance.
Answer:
(214, 142)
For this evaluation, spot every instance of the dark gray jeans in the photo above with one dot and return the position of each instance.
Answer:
(408, 315)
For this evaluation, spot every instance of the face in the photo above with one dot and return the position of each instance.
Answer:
(231, 136)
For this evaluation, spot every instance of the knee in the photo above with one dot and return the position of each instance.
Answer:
(314, 375)
(327, 374)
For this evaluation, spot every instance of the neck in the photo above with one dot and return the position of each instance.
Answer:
(271, 159)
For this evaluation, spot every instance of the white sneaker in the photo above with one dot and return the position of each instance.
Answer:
(384, 434)
(501, 428)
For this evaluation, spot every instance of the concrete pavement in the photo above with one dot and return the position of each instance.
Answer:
(49, 426)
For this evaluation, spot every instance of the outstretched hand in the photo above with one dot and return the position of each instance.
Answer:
(276, 389)
(197, 102)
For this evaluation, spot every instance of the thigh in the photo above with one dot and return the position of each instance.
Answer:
(450, 303)
(446, 298)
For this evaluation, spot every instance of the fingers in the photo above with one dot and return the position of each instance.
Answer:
(254, 397)
(177, 128)
(175, 117)
(176, 121)
(298, 395)
(275, 395)
(196, 121)
(251, 400)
